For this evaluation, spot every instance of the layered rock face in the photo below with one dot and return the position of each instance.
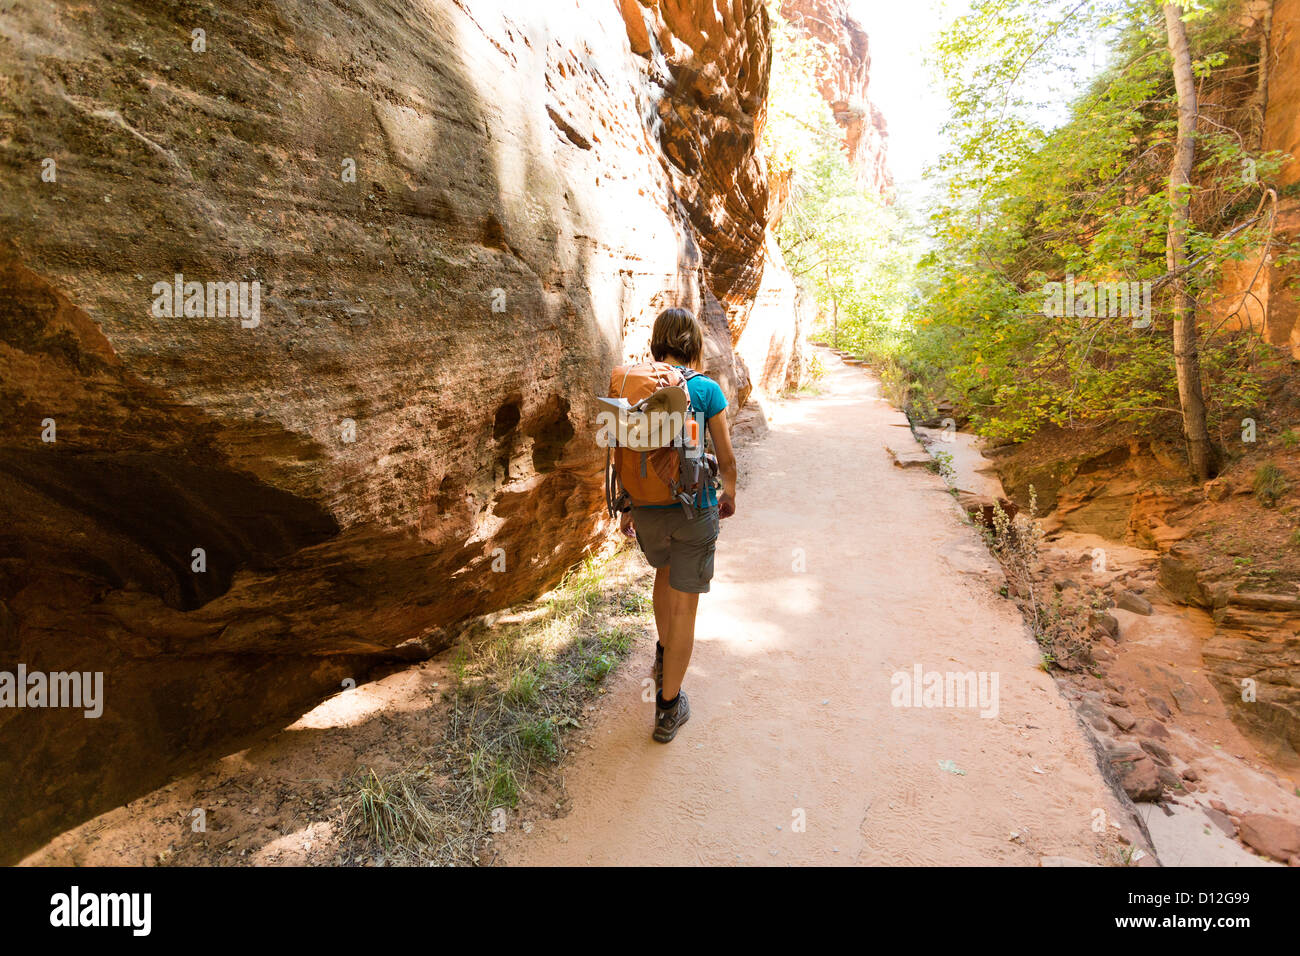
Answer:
(844, 83)
(1254, 655)
(422, 233)
(771, 342)
(712, 87)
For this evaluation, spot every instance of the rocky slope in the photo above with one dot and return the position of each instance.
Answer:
(457, 216)
(1218, 548)
(1209, 785)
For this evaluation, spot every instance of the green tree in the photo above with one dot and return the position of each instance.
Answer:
(1037, 194)
(849, 251)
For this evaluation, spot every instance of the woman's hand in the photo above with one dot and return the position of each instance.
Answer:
(721, 433)
(625, 524)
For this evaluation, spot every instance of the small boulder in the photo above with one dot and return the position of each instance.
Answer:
(1121, 718)
(1151, 728)
(1092, 714)
(1218, 490)
(1105, 622)
(1160, 707)
(1157, 751)
(982, 508)
(1139, 777)
(1271, 835)
(1135, 603)
(1117, 752)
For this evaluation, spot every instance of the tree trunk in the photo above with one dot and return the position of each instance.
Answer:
(1259, 98)
(835, 313)
(1187, 360)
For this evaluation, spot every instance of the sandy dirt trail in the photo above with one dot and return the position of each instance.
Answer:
(790, 684)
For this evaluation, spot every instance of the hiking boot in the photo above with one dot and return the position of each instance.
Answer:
(669, 720)
(659, 667)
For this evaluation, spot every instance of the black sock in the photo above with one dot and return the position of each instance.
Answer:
(667, 704)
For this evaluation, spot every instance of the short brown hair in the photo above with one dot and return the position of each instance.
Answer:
(676, 333)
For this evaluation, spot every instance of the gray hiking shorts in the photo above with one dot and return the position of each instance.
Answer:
(686, 545)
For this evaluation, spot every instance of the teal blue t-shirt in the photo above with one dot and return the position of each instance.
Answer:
(707, 400)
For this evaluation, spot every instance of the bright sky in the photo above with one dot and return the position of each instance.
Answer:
(901, 84)
(904, 88)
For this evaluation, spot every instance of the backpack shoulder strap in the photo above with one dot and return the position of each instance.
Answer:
(687, 375)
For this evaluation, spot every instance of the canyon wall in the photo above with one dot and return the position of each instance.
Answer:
(448, 221)
(845, 83)
(765, 338)
(772, 341)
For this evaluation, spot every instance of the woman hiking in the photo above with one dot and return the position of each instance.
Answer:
(680, 546)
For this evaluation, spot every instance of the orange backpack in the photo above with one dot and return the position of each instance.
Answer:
(655, 449)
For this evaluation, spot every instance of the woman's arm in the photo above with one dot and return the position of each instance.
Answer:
(721, 433)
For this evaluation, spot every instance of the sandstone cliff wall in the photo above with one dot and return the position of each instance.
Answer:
(845, 83)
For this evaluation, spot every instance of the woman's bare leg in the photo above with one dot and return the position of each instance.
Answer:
(675, 621)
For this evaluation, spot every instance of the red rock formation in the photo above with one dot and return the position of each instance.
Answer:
(845, 83)
(1257, 637)
(1128, 491)
(459, 217)
(1255, 296)
(708, 85)
(771, 343)
(769, 336)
